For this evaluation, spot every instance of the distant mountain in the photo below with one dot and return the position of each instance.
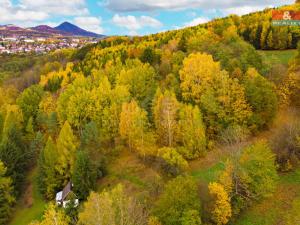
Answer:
(65, 29)
(12, 27)
(75, 30)
(45, 29)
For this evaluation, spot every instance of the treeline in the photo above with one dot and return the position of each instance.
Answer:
(24, 70)
(257, 29)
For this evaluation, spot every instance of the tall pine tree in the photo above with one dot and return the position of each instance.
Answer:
(66, 146)
(6, 195)
(14, 155)
(84, 175)
(49, 178)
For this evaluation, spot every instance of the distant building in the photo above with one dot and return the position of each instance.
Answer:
(29, 41)
(10, 39)
(66, 195)
(40, 39)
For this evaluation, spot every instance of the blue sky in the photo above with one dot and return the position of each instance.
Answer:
(123, 17)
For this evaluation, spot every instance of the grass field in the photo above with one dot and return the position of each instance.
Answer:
(283, 56)
(209, 174)
(31, 205)
(272, 211)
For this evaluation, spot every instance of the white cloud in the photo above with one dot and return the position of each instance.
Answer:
(28, 11)
(133, 23)
(21, 15)
(90, 23)
(11, 14)
(5, 3)
(133, 33)
(197, 21)
(130, 22)
(149, 21)
(57, 7)
(242, 10)
(148, 5)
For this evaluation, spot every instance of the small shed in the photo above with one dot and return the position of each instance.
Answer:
(66, 195)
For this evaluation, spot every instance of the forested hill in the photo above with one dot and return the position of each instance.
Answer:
(141, 124)
(223, 38)
(256, 28)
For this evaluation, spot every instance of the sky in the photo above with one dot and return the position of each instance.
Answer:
(125, 17)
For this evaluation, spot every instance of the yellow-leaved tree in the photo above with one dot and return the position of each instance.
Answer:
(53, 216)
(140, 80)
(153, 220)
(112, 208)
(221, 98)
(134, 128)
(225, 177)
(289, 90)
(66, 146)
(192, 132)
(165, 111)
(197, 74)
(221, 208)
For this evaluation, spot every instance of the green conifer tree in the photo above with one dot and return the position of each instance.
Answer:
(6, 195)
(49, 178)
(84, 175)
(66, 146)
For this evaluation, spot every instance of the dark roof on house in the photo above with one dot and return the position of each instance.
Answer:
(67, 189)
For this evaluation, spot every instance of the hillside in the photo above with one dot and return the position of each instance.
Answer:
(186, 127)
(256, 28)
(49, 30)
(75, 30)
(65, 29)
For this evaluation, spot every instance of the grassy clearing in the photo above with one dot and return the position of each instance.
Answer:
(31, 205)
(270, 211)
(273, 210)
(130, 171)
(283, 56)
(208, 174)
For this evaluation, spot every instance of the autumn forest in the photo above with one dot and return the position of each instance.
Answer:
(199, 125)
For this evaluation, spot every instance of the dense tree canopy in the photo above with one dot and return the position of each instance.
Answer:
(221, 98)
(140, 80)
(149, 111)
(262, 98)
(178, 199)
(29, 101)
(112, 207)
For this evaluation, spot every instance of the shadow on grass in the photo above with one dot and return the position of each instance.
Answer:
(31, 205)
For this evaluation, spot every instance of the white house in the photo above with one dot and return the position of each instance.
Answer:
(66, 195)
